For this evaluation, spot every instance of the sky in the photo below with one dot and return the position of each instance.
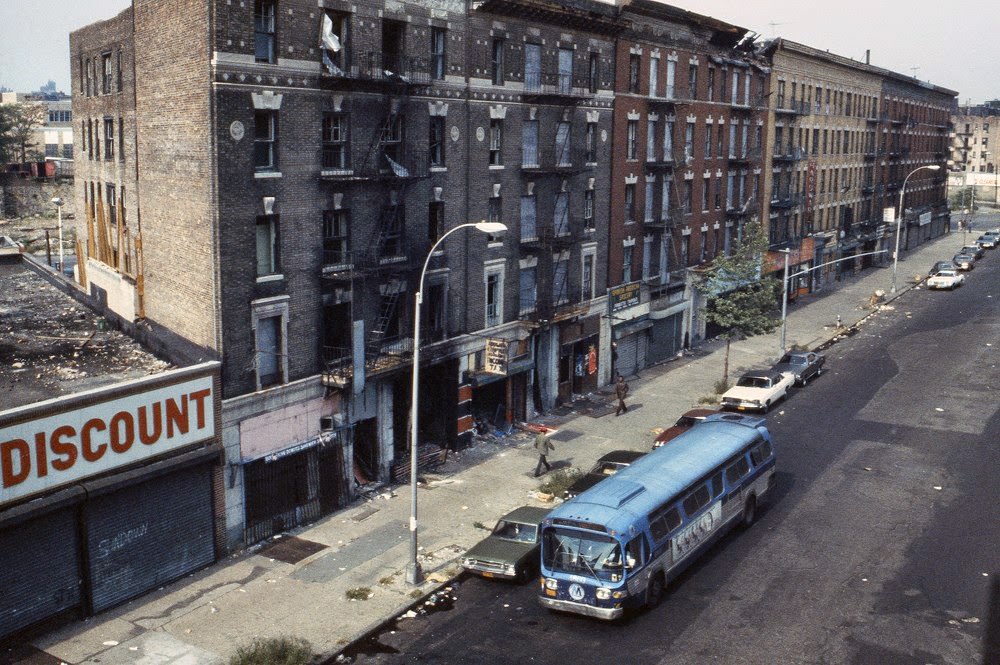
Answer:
(955, 50)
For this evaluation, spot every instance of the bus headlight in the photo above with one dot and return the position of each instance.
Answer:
(603, 593)
(551, 583)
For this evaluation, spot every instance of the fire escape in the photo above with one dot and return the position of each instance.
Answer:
(365, 271)
(550, 167)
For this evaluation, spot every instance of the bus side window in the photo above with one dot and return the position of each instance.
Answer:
(760, 452)
(634, 553)
(717, 485)
(662, 521)
(737, 470)
(695, 501)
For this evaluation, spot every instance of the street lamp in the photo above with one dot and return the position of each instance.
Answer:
(899, 219)
(413, 573)
(58, 202)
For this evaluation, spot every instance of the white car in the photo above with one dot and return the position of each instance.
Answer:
(945, 279)
(758, 390)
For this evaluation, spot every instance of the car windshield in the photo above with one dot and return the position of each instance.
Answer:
(686, 421)
(582, 553)
(753, 382)
(608, 468)
(516, 531)
(946, 273)
(793, 360)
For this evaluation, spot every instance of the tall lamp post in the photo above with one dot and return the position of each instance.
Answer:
(58, 202)
(899, 219)
(413, 572)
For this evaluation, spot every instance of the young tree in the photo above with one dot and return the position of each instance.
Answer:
(18, 123)
(7, 143)
(739, 299)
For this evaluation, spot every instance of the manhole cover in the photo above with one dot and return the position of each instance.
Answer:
(292, 549)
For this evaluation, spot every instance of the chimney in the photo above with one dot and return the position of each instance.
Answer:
(868, 56)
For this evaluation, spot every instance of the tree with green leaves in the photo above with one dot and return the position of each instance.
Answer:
(7, 145)
(18, 124)
(738, 298)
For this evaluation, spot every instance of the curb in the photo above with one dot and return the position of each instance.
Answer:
(375, 627)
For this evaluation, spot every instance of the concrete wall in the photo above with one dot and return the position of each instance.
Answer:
(24, 197)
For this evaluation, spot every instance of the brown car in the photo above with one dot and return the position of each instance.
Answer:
(683, 424)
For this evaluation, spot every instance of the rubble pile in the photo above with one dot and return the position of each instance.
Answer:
(52, 345)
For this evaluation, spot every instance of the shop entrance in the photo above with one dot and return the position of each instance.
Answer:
(366, 462)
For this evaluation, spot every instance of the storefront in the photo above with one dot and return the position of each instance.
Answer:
(117, 487)
(297, 466)
(500, 388)
(579, 342)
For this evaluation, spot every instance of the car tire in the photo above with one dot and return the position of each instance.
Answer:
(749, 512)
(804, 381)
(655, 590)
(766, 407)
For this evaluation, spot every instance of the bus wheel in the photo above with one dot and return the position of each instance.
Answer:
(655, 590)
(749, 512)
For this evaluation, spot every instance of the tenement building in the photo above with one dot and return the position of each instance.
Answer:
(844, 136)
(975, 172)
(264, 181)
(688, 133)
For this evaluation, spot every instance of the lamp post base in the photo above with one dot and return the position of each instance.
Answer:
(414, 575)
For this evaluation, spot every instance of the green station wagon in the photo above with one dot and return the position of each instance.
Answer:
(511, 551)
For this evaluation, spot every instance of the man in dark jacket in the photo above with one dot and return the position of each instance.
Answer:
(621, 390)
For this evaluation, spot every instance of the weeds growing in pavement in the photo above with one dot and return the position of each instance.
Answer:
(273, 651)
(359, 593)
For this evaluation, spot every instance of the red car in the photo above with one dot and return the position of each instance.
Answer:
(683, 424)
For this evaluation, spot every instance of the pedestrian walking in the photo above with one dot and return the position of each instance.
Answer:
(621, 390)
(543, 446)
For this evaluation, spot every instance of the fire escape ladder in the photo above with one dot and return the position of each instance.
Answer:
(387, 311)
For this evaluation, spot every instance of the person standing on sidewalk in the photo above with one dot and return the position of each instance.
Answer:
(543, 446)
(621, 390)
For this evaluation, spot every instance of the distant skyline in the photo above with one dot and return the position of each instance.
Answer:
(954, 52)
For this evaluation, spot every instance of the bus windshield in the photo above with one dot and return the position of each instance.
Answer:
(582, 553)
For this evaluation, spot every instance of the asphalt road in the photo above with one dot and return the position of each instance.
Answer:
(877, 547)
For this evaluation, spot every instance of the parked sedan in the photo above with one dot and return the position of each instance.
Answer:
(973, 249)
(946, 279)
(511, 551)
(987, 240)
(941, 265)
(687, 420)
(758, 390)
(964, 261)
(607, 465)
(803, 364)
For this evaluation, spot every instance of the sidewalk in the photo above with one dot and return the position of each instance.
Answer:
(300, 587)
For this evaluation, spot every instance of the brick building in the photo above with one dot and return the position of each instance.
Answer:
(688, 133)
(971, 149)
(277, 216)
(842, 137)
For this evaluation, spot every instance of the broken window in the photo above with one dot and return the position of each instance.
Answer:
(265, 140)
(528, 291)
(334, 43)
(109, 138)
(437, 53)
(263, 23)
(437, 140)
(496, 63)
(267, 245)
(335, 154)
(107, 74)
(496, 141)
(336, 237)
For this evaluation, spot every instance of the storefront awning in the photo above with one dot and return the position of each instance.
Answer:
(626, 329)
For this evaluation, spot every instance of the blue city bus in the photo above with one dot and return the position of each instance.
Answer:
(619, 543)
